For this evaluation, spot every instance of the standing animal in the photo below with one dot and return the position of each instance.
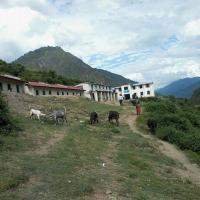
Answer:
(37, 113)
(94, 118)
(152, 124)
(58, 114)
(113, 115)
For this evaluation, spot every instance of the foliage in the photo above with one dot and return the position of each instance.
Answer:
(178, 121)
(5, 122)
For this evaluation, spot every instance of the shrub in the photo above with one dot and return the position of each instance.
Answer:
(193, 118)
(5, 123)
(170, 134)
(174, 120)
(161, 107)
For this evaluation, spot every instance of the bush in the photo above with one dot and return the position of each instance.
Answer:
(170, 134)
(161, 107)
(193, 118)
(5, 123)
(174, 120)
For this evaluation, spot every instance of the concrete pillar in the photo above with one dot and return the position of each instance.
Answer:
(101, 96)
(95, 96)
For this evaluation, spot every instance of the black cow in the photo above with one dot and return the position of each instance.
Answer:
(152, 124)
(94, 118)
(113, 115)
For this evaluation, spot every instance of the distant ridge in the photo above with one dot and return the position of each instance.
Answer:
(68, 65)
(182, 88)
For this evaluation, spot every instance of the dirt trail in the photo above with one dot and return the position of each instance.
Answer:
(189, 172)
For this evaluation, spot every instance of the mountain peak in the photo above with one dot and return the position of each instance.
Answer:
(68, 65)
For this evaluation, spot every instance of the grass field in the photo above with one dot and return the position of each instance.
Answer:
(80, 161)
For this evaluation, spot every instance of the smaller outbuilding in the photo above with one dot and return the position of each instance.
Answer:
(12, 84)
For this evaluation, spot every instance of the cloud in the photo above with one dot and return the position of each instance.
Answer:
(145, 40)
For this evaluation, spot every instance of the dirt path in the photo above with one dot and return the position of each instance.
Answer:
(189, 172)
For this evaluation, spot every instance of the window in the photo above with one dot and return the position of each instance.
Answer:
(125, 88)
(17, 88)
(9, 87)
(80, 94)
(148, 92)
(133, 87)
(43, 92)
(140, 86)
(62, 93)
(37, 92)
(67, 93)
(1, 87)
(120, 89)
(58, 93)
(141, 93)
(73, 93)
(49, 92)
(147, 85)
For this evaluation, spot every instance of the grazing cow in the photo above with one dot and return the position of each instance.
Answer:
(152, 124)
(37, 113)
(59, 114)
(94, 118)
(113, 115)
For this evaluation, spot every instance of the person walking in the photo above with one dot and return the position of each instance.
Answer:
(120, 98)
(138, 109)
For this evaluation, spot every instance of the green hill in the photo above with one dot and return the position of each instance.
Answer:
(68, 65)
(196, 96)
(182, 88)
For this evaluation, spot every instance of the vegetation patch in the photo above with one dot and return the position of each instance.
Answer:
(178, 121)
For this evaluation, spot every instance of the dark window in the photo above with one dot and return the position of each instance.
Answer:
(148, 92)
(58, 93)
(1, 87)
(80, 94)
(141, 93)
(120, 89)
(49, 92)
(9, 87)
(67, 93)
(43, 92)
(147, 85)
(37, 92)
(140, 86)
(17, 87)
(73, 93)
(134, 87)
(62, 93)
(125, 88)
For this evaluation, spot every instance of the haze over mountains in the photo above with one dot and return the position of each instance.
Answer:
(68, 65)
(183, 88)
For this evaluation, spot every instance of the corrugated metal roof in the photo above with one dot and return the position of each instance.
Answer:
(56, 86)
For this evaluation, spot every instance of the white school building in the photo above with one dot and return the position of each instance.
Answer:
(98, 92)
(129, 91)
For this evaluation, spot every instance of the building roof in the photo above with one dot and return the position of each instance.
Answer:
(7, 76)
(56, 86)
(90, 83)
(135, 84)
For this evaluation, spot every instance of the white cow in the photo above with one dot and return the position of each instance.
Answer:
(38, 113)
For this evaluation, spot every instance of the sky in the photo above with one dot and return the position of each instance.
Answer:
(144, 40)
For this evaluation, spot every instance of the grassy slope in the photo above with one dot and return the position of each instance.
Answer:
(72, 168)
